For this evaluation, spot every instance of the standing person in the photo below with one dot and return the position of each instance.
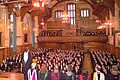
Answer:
(55, 75)
(98, 75)
(26, 63)
(84, 75)
(69, 74)
(32, 73)
(110, 76)
(43, 73)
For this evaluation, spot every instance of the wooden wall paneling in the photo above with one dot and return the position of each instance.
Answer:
(7, 52)
(117, 52)
(19, 49)
(113, 50)
(1, 54)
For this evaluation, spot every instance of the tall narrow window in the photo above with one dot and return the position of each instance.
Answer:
(119, 24)
(0, 39)
(119, 39)
(11, 30)
(58, 14)
(84, 13)
(25, 38)
(0, 14)
(119, 18)
(71, 12)
(119, 14)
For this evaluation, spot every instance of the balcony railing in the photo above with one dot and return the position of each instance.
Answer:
(73, 32)
(73, 39)
(75, 35)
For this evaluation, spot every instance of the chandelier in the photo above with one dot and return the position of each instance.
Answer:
(38, 3)
(41, 3)
(64, 17)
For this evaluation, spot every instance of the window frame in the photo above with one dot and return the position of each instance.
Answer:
(59, 11)
(119, 18)
(73, 11)
(25, 38)
(83, 9)
(118, 40)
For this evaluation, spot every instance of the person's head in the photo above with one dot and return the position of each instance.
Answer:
(97, 68)
(43, 68)
(56, 69)
(84, 72)
(69, 68)
(114, 70)
(33, 65)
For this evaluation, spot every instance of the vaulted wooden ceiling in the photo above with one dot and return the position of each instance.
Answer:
(100, 8)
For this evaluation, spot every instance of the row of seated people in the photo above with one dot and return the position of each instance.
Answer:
(93, 33)
(59, 33)
(51, 33)
(11, 63)
(108, 62)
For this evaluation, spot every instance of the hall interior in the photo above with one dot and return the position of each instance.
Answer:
(59, 24)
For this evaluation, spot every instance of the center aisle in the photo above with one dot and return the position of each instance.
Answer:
(87, 63)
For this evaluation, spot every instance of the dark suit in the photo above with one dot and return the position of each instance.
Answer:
(27, 65)
(110, 76)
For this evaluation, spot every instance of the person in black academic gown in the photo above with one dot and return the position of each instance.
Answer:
(26, 63)
(110, 76)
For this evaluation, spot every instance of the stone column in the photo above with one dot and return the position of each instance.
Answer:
(14, 33)
(19, 30)
(36, 29)
(106, 29)
(33, 33)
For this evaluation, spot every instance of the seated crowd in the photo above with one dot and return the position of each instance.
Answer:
(49, 57)
(59, 33)
(108, 62)
(58, 57)
(11, 63)
(93, 33)
(56, 64)
(51, 33)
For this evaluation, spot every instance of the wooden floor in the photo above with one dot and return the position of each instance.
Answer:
(87, 63)
(10, 76)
